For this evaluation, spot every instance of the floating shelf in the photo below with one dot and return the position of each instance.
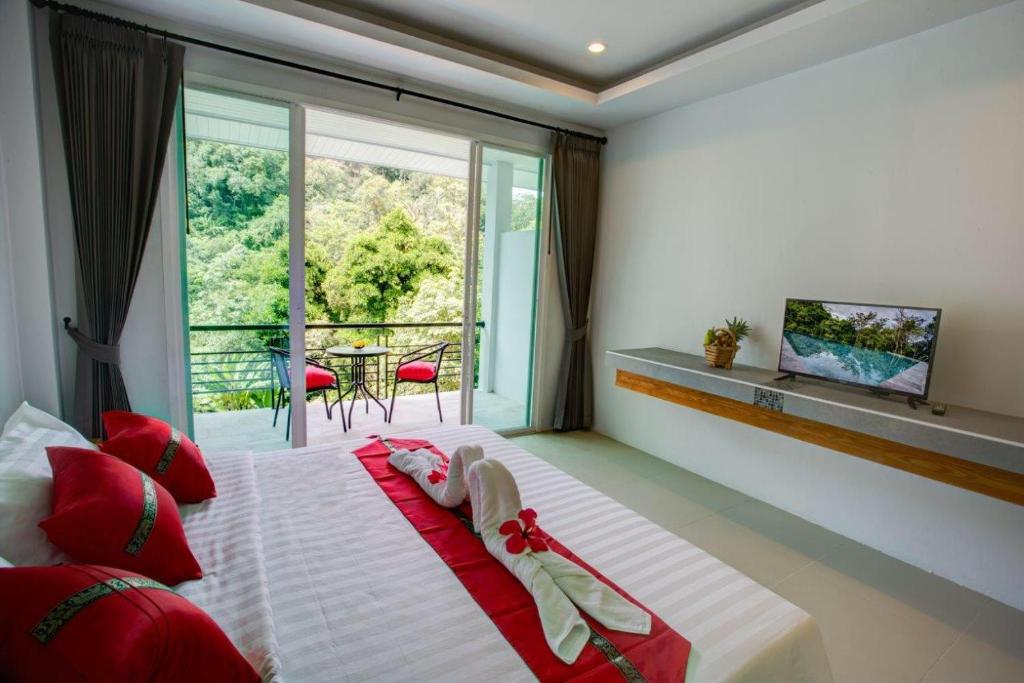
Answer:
(971, 449)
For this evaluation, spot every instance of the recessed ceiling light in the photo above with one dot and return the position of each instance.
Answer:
(596, 47)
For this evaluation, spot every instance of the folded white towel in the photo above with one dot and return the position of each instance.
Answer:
(495, 500)
(509, 533)
(445, 484)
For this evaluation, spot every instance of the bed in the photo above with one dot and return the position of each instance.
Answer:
(316, 576)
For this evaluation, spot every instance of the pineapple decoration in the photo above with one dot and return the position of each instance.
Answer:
(722, 343)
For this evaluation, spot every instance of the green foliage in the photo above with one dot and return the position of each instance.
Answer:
(357, 218)
(382, 266)
(238, 246)
(230, 184)
(739, 327)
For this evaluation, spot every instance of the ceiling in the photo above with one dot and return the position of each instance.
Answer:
(530, 57)
(551, 37)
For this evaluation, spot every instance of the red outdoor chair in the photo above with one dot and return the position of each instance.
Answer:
(319, 380)
(414, 368)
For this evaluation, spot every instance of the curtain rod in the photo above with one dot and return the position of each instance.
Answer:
(398, 92)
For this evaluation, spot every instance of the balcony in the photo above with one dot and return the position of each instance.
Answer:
(233, 382)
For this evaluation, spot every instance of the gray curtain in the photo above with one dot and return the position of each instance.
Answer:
(576, 176)
(116, 89)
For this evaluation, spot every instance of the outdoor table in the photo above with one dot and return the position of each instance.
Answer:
(358, 375)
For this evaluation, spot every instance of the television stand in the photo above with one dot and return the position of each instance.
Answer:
(971, 449)
(913, 402)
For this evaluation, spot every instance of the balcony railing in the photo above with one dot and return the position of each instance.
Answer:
(231, 368)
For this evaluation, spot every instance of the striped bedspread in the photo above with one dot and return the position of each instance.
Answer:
(224, 534)
(357, 595)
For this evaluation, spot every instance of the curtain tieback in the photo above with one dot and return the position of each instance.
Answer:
(575, 334)
(103, 353)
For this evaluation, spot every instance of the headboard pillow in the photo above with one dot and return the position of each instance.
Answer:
(160, 451)
(26, 435)
(107, 512)
(26, 483)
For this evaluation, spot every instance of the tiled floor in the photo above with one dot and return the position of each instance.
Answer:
(882, 620)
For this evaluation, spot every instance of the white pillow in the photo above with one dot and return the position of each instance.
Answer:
(24, 502)
(4, 563)
(25, 437)
(26, 482)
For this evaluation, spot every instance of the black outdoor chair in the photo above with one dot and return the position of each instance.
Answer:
(413, 368)
(319, 380)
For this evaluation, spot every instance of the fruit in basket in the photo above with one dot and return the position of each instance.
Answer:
(359, 344)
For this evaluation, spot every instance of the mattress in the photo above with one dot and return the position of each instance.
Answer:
(331, 583)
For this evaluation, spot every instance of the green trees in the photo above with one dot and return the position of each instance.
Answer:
(382, 266)
(374, 237)
(382, 245)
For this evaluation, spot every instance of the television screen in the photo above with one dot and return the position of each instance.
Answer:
(889, 348)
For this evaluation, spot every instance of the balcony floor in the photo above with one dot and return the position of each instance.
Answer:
(254, 429)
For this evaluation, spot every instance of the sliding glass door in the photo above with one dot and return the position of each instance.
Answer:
(236, 262)
(389, 270)
(385, 235)
(501, 298)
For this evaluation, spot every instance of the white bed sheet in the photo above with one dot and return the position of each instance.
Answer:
(355, 594)
(224, 534)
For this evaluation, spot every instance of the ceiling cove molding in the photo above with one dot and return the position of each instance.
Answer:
(734, 43)
(805, 35)
(425, 43)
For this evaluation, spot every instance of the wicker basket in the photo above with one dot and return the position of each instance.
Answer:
(721, 356)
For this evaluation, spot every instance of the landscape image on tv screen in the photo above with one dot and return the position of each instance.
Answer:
(885, 347)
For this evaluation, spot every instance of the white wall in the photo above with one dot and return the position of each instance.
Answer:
(32, 323)
(895, 175)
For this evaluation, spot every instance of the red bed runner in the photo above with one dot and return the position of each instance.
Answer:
(609, 656)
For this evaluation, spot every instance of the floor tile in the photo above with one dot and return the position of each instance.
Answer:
(600, 461)
(795, 533)
(900, 586)
(883, 621)
(865, 641)
(992, 649)
(763, 559)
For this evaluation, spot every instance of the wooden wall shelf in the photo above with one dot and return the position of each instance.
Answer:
(975, 450)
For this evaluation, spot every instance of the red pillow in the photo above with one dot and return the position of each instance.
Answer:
(160, 451)
(107, 512)
(87, 622)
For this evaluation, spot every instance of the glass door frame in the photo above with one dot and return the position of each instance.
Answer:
(539, 281)
(297, 162)
(297, 270)
(469, 279)
(296, 254)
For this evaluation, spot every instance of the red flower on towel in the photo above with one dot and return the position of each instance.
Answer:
(437, 476)
(523, 532)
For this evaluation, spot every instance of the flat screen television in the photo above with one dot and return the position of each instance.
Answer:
(884, 348)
